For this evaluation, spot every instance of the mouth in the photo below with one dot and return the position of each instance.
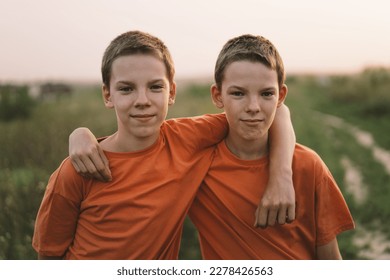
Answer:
(143, 117)
(252, 122)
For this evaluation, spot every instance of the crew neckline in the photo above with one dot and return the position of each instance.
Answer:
(138, 153)
(248, 162)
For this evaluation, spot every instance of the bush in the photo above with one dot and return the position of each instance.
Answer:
(31, 149)
(368, 89)
(15, 102)
(21, 191)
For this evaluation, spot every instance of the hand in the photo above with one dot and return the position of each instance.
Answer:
(87, 156)
(277, 203)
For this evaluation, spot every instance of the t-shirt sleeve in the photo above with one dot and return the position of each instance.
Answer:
(332, 213)
(58, 214)
(200, 132)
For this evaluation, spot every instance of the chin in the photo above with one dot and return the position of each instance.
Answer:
(252, 137)
(144, 132)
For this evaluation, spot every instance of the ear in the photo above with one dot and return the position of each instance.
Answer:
(172, 94)
(282, 94)
(107, 97)
(216, 96)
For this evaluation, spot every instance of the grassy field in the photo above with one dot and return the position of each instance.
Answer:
(327, 112)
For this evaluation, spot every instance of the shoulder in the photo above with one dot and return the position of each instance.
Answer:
(198, 132)
(66, 169)
(195, 134)
(306, 159)
(304, 152)
(207, 121)
(65, 179)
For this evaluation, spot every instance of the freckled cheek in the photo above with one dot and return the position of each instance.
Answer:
(123, 106)
(159, 100)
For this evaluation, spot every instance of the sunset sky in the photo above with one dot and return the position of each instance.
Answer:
(65, 39)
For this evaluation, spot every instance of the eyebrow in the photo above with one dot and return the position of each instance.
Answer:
(269, 89)
(157, 81)
(124, 82)
(243, 89)
(131, 83)
(235, 87)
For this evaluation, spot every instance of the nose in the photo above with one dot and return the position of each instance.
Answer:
(142, 98)
(253, 105)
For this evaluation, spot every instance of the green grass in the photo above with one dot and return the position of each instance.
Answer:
(308, 96)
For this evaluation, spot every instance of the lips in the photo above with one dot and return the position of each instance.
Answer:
(143, 117)
(252, 120)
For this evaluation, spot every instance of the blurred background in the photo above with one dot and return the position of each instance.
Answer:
(338, 73)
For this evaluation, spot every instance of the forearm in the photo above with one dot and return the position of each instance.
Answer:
(329, 251)
(282, 144)
(278, 200)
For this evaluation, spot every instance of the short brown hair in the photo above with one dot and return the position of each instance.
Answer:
(134, 42)
(252, 48)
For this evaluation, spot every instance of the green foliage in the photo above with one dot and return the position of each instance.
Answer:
(368, 89)
(31, 149)
(193, 100)
(198, 91)
(20, 194)
(45, 134)
(310, 95)
(14, 102)
(189, 247)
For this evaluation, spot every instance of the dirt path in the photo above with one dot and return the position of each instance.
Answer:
(372, 244)
(364, 138)
(353, 181)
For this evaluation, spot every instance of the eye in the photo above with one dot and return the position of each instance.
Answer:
(125, 89)
(267, 93)
(237, 93)
(157, 87)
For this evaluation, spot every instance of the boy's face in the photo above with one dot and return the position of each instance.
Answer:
(140, 93)
(250, 96)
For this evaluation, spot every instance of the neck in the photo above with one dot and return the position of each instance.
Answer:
(247, 149)
(124, 144)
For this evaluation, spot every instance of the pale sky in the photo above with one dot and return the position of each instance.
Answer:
(65, 39)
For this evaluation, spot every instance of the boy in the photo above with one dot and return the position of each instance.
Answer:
(249, 85)
(140, 213)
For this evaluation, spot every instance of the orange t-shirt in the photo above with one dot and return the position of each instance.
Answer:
(138, 215)
(223, 210)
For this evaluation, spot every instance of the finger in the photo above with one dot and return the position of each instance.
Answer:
(106, 172)
(261, 217)
(92, 164)
(256, 216)
(272, 216)
(90, 169)
(75, 165)
(80, 167)
(98, 167)
(282, 215)
(291, 213)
